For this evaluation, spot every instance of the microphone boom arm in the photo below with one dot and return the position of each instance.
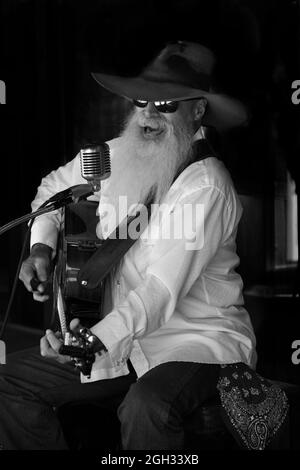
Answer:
(61, 199)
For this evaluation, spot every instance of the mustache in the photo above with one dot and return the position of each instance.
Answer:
(155, 123)
(135, 120)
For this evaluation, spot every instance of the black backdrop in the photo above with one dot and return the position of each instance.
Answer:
(49, 47)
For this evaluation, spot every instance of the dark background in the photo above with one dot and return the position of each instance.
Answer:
(48, 49)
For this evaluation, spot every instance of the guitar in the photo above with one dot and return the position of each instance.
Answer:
(84, 262)
(77, 243)
(81, 275)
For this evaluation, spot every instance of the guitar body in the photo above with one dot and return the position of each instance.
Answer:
(78, 242)
(83, 258)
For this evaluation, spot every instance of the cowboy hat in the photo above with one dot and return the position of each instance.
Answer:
(182, 71)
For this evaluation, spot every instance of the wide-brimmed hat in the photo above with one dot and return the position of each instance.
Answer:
(182, 71)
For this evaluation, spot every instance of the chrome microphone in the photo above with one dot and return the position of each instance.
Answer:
(95, 164)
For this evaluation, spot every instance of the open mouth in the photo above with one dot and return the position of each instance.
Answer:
(151, 132)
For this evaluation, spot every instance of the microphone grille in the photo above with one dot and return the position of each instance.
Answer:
(95, 161)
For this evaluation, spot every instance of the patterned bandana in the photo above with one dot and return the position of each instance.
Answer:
(253, 408)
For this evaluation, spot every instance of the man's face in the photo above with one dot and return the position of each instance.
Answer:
(153, 147)
(154, 123)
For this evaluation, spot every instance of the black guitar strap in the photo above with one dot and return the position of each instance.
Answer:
(113, 249)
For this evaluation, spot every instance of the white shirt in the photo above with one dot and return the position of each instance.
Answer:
(175, 299)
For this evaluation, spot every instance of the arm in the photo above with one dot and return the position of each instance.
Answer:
(45, 228)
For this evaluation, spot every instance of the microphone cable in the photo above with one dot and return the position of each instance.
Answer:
(16, 278)
(15, 282)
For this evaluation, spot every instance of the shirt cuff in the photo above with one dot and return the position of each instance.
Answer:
(115, 336)
(44, 231)
(143, 311)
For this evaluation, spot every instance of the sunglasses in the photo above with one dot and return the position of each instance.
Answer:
(161, 106)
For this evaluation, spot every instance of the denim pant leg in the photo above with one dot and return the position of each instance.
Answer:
(30, 389)
(153, 412)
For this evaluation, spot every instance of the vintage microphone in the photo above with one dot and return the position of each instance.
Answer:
(95, 164)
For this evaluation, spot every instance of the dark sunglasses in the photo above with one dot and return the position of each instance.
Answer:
(161, 106)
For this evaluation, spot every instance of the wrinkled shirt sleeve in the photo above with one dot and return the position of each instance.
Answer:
(46, 227)
(205, 219)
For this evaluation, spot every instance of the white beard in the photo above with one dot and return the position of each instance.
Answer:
(143, 168)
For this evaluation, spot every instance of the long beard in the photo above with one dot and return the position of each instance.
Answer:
(143, 166)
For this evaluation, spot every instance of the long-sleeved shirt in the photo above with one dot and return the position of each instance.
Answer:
(177, 296)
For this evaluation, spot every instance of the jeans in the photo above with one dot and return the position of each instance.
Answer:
(151, 409)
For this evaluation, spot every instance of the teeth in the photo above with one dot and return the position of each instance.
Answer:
(150, 129)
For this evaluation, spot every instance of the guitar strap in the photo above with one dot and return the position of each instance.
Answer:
(113, 249)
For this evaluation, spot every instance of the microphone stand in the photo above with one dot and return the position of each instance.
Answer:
(26, 217)
(68, 196)
(61, 199)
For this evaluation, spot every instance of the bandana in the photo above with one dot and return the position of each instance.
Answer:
(253, 408)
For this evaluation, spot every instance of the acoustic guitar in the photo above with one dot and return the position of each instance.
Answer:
(77, 243)
(84, 262)
(82, 270)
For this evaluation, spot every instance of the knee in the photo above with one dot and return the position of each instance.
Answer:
(141, 400)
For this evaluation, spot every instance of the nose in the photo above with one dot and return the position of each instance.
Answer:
(150, 110)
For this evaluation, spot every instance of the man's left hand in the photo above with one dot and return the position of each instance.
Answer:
(50, 344)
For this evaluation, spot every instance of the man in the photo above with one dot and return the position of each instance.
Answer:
(177, 311)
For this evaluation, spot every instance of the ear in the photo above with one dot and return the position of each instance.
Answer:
(199, 108)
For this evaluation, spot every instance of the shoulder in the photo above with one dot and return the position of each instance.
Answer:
(206, 177)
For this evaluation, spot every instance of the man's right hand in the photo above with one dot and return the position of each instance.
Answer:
(37, 268)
